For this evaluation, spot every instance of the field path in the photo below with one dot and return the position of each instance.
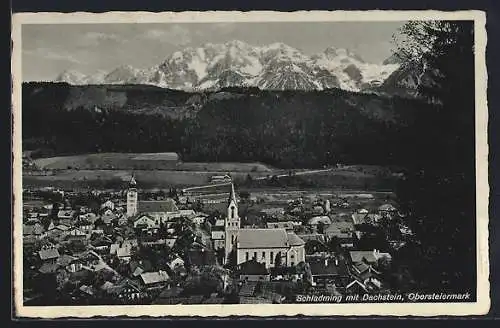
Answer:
(298, 173)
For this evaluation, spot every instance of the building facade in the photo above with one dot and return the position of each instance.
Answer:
(132, 198)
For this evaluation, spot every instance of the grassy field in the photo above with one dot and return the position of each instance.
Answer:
(352, 178)
(109, 161)
(144, 161)
(116, 178)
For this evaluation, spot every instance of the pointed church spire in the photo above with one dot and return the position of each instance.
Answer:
(232, 195)
(132, 182)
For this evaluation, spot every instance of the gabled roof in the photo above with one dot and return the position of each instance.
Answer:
(140, 216)
(47, 254)
(262, 238)
(61, 227)
(356, 283)
(154, 277)
(329, 267)
(360, 256)
(340, 226)
(294, 240)
(167, 205)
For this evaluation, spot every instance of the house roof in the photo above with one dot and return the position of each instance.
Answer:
(354, 283)
(386, 207)
(320, 268)
(33, 229)
(61, 227)
(358, 256)
(294, 240)
(262, 238)
(340, 226)
(47, 254)
(138, 271)
(317, 219)
(124, 252)
(273, 210)
(167, 205)
(65, 213)
(280, 225)
(65, 259)
(154, 277)
(361, 267)
(176, 262)
(313, 236)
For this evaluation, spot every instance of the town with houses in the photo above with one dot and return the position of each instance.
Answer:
(134, 246)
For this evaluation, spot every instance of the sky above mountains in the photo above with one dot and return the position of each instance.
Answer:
(47, 50)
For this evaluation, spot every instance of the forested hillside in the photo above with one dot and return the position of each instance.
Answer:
(282, 128)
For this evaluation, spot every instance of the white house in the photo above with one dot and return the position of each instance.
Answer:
(109, 205)
(145, 221)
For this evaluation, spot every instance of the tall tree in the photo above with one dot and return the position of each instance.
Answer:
(439, 190)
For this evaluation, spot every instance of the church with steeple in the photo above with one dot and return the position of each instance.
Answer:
(269, 246)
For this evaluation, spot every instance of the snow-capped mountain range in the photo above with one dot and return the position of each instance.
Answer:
(276, 67)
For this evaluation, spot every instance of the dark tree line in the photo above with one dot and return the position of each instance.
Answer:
(285, 129)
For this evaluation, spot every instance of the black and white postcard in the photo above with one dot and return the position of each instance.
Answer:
(250, 163)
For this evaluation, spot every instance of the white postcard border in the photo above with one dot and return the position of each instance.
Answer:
(261, 310)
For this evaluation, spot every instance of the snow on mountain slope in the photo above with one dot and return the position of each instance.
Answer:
(236, 63)
(72, 77)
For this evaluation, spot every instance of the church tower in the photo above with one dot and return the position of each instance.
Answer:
(232, 222)
(132, 198)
